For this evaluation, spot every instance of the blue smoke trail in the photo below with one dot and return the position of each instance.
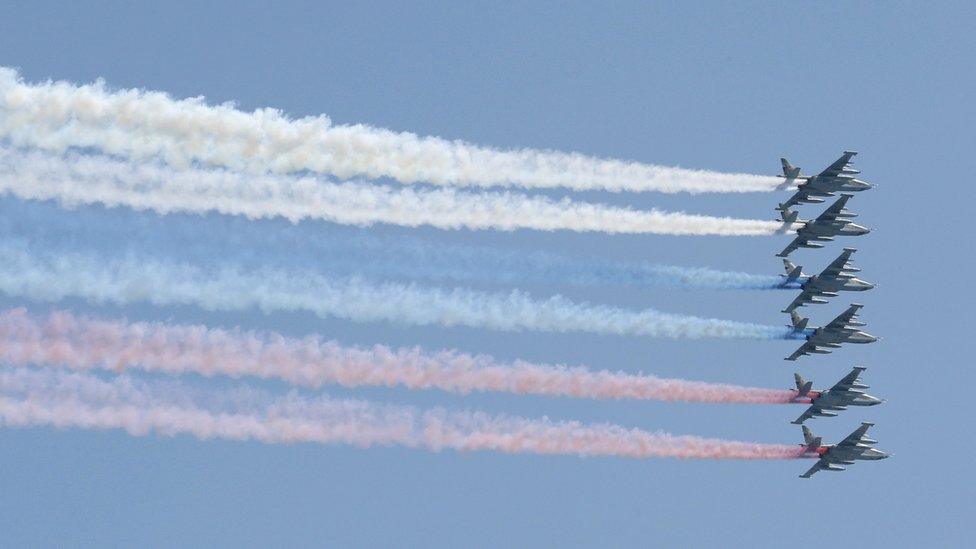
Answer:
(223, 285)
(339, 251)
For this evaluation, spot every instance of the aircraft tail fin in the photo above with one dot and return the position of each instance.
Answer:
(799, 323)
(811, 440)
(793, 272)
(802, 386)
(787, 215)
(789, 170)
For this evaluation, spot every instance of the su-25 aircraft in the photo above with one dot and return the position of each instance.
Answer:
(838, 177)
(846, 392)
(856, 447)
(837, 277)
(840, 330)
(834, 221)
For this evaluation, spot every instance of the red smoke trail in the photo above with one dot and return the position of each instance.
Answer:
(60, 399)
(82, 343)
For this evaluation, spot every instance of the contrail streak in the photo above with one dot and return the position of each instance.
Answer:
(141, 124)
(63, 339)
(59, 399)
(230, 287)
(340, 251)
(75, 179)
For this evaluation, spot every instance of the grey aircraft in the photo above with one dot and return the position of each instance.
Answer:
(834, 221)
(837, 277)
(846, 392)
(856, 447)
(842, 329)
(838, 177)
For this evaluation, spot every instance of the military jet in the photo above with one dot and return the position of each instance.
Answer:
(838, 177)
(853, 448)
(838, 276)
(834, 221)
(846, 392)
(840, 330)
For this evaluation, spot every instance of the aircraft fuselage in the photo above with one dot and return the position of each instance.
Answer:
(831, 228)
(837, 401)
(837, 184)
(836, 284)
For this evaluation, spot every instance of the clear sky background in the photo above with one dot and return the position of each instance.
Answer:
(725, 86)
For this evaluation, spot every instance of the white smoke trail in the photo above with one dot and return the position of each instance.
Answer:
(338, 251)
(58, 399)
(63, 339)
(143, 124)
(228, 287)
(82, 179)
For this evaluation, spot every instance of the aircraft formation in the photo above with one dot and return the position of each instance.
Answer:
(242, 259)
(839, 276)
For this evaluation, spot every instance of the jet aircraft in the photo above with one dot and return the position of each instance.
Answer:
(838, 276)
(834, 221)
(840, 330)
(855, 447)
(846, 392)
(838, 177)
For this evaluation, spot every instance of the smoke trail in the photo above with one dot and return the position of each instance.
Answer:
(63, 339)
(143, 124)
(229, 287)
(32, 398)
(83, 179)
(340, 252)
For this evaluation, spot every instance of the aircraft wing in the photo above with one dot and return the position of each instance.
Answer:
(839, 166)
(797, 243)
(857, 437)
(805, 349)
(850, 379)
(803, 195)
(805, 297)
(844, 319)
(797, 198)
(807, 414)
(839, 267)
(835, 210)
(819, 465)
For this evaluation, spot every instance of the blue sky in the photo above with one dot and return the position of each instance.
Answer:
(728, 86)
